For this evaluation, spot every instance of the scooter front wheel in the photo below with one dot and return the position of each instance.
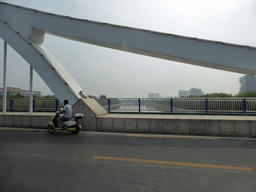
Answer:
(76, 130)
(50, 129)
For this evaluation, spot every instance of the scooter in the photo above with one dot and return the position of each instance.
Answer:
(71, 125)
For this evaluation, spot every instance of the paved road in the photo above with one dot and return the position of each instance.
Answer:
(34, 160)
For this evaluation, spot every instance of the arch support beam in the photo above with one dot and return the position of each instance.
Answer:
(48, 68)
(211, 54)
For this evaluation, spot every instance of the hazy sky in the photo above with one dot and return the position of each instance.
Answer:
(119, 74)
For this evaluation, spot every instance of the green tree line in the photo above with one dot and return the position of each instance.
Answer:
(209, 95)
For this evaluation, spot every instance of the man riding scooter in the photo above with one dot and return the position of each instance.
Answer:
(71, 124)
(67, 110)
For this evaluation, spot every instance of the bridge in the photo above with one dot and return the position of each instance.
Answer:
(24, 30)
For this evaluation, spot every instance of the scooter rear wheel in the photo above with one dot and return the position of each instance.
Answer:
(50, 129)
(76, 131)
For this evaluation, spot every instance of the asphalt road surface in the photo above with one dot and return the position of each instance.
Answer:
(35, 160)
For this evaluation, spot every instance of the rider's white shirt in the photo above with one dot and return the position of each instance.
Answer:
(68, 111)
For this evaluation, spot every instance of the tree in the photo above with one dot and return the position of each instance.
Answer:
(103, 97)
(217, 95)
(247, 94)
(49, 96)
(92, 96)
(16, 96)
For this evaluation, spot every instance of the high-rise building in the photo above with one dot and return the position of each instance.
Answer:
(192, 91)
(184, 93)
(151, 95)
(196, 92)
(248, 83)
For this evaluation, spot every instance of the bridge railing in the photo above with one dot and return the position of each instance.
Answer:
(39, 105)
(146, 105)
(188, 105)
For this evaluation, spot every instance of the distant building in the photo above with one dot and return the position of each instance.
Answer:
(196, 92)
(26, 93)
(184, 93)
(151, 95)
(192, 91)
(10, 91)
(15, 91)
(248, 83)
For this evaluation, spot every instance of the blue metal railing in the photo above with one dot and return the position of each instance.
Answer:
(139, 105)
(244, 106)
(109, 102)
(11, 104)
(57, 104)
(171, 103)
(206, 105)
(44, 105)
(174, 105)
(197, 105)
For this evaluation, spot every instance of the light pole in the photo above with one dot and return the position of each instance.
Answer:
(4, 78)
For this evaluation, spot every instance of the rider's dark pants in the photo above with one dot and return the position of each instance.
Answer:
(61, 120)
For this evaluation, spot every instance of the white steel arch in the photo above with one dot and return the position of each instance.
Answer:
(32, 25)
(43, 63)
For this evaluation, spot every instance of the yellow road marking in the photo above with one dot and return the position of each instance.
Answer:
(174, 163)
(175, 137)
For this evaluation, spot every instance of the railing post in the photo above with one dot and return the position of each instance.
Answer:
(139, 104)
(206, 105)
(34, 103)
(244, 105)
(57, 104)
(109, 102)
(11, 104)
(171, 102)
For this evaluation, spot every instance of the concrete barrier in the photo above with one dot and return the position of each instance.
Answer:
(35, 120)
(241, 126)
(237, 126)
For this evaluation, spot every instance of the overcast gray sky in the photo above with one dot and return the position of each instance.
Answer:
(119, 74)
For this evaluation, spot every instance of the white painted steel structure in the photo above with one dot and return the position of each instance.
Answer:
(24, 29)
(31, 91)
(4, 77)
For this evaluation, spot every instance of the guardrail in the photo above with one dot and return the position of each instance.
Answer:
(39, 105)
(191, 105)
(146, 105)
